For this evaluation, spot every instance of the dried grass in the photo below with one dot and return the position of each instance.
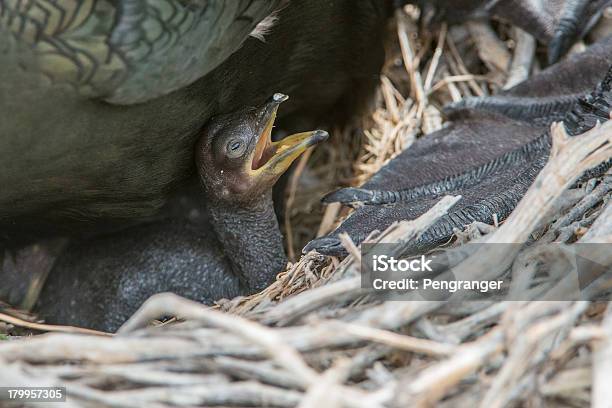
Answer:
(315, 338)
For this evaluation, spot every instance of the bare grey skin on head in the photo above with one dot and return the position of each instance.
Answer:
(235, 248)
(510, 134)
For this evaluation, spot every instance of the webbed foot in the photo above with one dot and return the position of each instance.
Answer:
(549, 95)
(556, 23)
(490, 183)
(489, 200)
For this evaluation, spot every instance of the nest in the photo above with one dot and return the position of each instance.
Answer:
(316, 338)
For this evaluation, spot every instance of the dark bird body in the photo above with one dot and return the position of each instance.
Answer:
(80, 148)
(219, 243)
(490, 153)
(100, 283)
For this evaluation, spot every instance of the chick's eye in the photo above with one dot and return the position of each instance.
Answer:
(235, 148)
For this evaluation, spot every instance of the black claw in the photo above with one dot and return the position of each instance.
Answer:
(349, 196)
(328, 245)
(560, 44)
(569, 28)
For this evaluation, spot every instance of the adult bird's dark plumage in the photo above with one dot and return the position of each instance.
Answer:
(102, 100)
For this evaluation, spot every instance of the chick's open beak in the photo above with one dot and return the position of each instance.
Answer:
(275, 157)
(291, 147)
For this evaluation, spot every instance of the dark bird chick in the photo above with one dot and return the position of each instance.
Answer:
(236, 250)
